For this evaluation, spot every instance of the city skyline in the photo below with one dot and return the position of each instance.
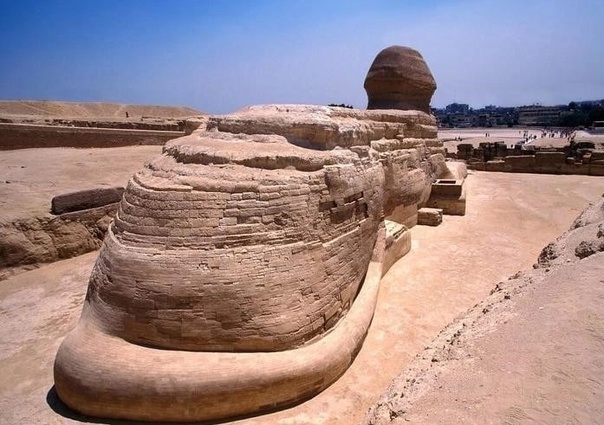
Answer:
(220, 57)
(578, 101)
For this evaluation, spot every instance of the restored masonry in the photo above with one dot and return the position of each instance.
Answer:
(241, 271)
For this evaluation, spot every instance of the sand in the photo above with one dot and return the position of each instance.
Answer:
(533, 353)
(510, 217)
(30, 178)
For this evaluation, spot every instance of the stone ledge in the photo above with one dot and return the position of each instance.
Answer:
(447, 187)
(398, 243)
(85, 199)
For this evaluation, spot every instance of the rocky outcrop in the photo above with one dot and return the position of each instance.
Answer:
(78, 226)
(399, 79)
(246, 246)
(585, 238)
(27, 242)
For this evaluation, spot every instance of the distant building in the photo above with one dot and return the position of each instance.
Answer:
(457, 108)
(539, 115)
(575, 114)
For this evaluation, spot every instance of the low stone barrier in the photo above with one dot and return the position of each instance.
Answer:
(25, 136)
(85, 199)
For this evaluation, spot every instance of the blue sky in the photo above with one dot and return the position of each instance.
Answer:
(219, 56)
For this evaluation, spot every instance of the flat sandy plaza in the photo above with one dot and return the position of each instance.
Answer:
(509, 219)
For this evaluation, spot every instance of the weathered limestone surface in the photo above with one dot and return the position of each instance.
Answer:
(43, 124)
(399, 79)
(28, 241)
(430, 216)
(450, 197)
(397, 244)
(250, 237)
(79, 226)
(448, 192)
(580, 158)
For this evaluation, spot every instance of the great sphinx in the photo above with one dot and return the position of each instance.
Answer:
(241, 271)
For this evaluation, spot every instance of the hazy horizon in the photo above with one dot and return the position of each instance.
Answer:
(221, 56)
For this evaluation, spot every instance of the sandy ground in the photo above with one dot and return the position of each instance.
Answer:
(511, 136)
(450, 268)
(534, 357)
(30, 178)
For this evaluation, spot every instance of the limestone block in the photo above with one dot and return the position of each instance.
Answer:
(549, 162)
(498, 165)
(47, 239)
(398, 243)
(596, 169)
(429, 216)
(85, 199)
(465, 150)
(404, 214)
(447, 187)
(521, 163)
(455, 170)
(597, 156)
(448, 195)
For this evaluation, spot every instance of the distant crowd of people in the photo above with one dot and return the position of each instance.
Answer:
(561, 133)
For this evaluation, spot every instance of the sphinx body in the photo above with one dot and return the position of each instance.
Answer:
(243, 244)
(241, 271)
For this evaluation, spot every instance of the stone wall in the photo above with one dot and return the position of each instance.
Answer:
(275, 246)
(24, 136)
(541, 163)
(568, 160)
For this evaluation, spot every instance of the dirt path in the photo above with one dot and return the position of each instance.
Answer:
(510, 217)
